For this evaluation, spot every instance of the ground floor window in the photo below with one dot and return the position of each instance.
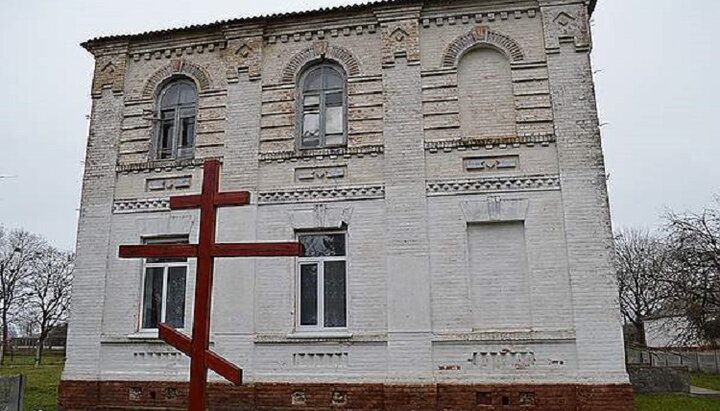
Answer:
(322, 281)
(164, 283)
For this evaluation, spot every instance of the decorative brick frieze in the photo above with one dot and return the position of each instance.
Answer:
(322, 194)
(163, 165)
(324, 33)
(283, 396)
(463, 144)
(566, 24)
(244, 55)
(321, 154)
(145, 205)
(506, 336)
(174, 51)
(468, 18)
(110, 70)
(494, 185)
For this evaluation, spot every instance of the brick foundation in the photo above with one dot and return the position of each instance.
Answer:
(125, 395)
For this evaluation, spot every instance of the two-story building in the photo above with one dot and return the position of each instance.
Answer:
(439, 160)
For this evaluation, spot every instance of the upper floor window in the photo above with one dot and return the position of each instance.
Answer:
(485, 88)
(322, 101)
(176, 129)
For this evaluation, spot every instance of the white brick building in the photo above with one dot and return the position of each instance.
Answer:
(440, 159)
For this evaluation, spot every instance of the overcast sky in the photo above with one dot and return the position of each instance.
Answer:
(656, 81)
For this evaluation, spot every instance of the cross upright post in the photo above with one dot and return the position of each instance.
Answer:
(197, 347)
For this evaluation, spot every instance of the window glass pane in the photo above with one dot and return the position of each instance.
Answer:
(311, 130)
(187, 132)
(308, 294)
(323, 245)
(168, 114)
(152, 297)
(333, 79)
(312, 100)
(187, 112)
(171, 95)
(334, 120)
(187, 94)
(175, 300)
(335, 301)
(334, 140)
(313, 81)
(167, 128)
(334, 99)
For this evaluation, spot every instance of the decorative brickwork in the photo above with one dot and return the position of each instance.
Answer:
(91, 396)
(481, 35)
(320, 50)
(177, 67)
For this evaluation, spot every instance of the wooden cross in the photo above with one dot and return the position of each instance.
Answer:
(206, 251)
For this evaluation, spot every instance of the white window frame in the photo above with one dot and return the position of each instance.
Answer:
(166, 268)
(320, 263)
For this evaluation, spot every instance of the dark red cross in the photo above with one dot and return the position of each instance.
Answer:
(206, 251)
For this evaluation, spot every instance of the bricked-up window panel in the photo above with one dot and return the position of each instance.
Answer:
(322, 107)
(175, 130)
(487, 104)
(499, 276)
(164, 283)
(322, 282)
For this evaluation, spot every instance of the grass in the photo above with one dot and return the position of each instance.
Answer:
(42, 382)
(674, 402)
(708, 381)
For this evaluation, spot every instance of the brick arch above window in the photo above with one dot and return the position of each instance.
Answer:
(318, 51)
(481, 36)
(177, 68)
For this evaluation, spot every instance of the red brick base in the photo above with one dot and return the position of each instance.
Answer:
(125, 395)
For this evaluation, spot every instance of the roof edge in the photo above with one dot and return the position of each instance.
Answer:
(93, 44)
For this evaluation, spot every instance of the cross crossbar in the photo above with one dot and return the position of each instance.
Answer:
(217, 250)
(197, 347)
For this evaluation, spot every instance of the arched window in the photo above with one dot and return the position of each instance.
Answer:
(177, 107)
(322, 107)
(487, 103)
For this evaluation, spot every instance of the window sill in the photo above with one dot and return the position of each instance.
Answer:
(144, 335)
(315, 335)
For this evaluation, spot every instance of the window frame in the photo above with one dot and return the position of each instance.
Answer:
(322, 107)
(177, 121)
(166, 265)
(320, 264)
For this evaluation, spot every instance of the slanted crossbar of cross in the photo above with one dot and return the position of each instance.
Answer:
(197, 347)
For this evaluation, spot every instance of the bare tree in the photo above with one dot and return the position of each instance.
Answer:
(694, 243)
(47, 292)
(18, 248)
(639, 258)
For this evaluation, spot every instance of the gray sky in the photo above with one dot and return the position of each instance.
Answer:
(656, 81)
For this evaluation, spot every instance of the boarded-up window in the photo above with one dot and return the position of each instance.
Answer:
(487, 105)
(499, 276)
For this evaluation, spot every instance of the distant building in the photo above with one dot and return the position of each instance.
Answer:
(441, 162)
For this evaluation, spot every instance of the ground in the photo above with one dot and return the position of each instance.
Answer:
(41, 390)
(42, 382)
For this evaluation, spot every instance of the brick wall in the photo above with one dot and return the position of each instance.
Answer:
(80, 396)
(415, 175)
